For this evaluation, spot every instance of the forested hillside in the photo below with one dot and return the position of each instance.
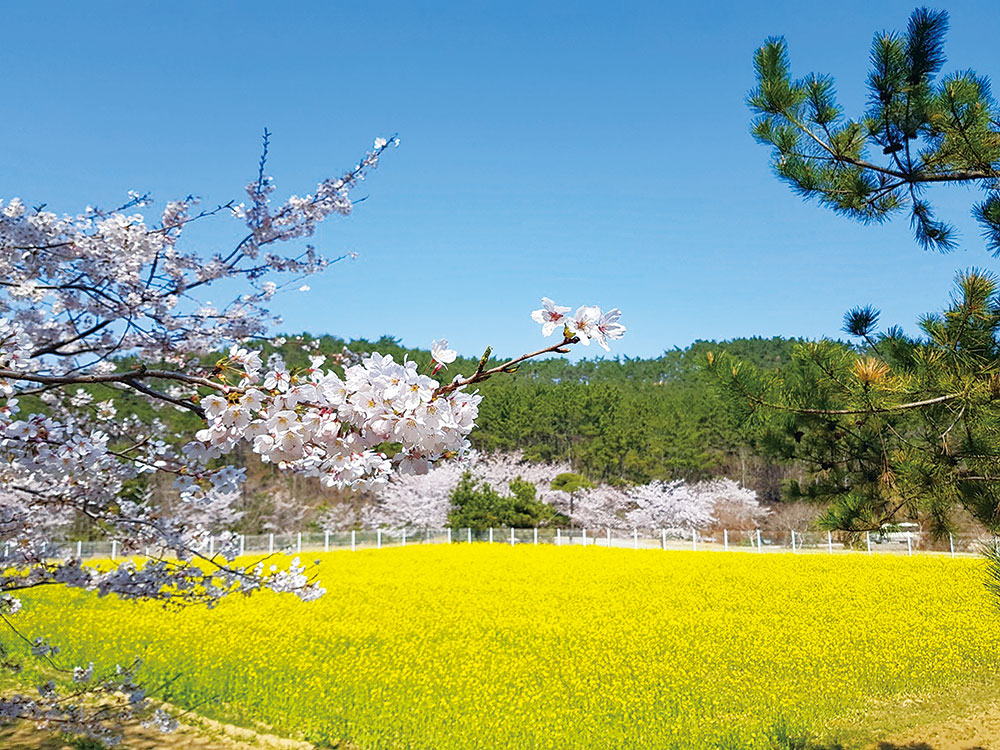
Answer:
(614, 419)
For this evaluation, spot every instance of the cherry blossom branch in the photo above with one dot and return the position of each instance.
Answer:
(191, 406)
(80, 293)
(114, 377)
(510, 366)
(55, 346)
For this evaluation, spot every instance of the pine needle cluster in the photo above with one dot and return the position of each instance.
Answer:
(918, 130)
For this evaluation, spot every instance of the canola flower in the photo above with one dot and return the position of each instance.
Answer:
(486, 646)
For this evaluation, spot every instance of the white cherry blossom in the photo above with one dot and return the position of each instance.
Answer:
(584, 323)
(550, 316)
(441, 354)
(116, 300)
(608, 328)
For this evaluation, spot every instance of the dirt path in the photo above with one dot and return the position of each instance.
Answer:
(963, 717)
(200, 734)
(976, 729)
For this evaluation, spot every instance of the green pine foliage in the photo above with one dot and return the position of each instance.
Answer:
(571, 482)
(624, 420)
(901, 428)
(480, 507)
(918, 131)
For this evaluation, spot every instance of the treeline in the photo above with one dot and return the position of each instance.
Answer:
(615, 419)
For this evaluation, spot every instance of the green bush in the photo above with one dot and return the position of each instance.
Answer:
(480, 507)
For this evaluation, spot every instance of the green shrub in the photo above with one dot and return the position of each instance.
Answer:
(480, 507)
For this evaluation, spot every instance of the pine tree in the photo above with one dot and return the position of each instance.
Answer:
(902, 427)
(899, 427)
(917, 132)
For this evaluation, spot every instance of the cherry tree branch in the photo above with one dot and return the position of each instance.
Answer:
(509, 366)
(140, 372)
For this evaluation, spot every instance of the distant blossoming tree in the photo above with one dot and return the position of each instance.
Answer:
(667, 505)
(734, 507)
(112, 298)
(603, 507)
(670, 505)
(339, 517)
(681, 506)
(415, 501)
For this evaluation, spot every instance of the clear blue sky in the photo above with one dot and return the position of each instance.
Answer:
(583, 151)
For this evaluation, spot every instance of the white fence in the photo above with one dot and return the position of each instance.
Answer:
(754, 540)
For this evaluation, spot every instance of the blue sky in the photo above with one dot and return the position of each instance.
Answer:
(589, 152)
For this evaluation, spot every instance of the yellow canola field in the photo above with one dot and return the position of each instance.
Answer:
(487, 646)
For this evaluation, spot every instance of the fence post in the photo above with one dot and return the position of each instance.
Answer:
(353, 540)
(469, 530)
(491, 535)
(558, 537)
(511, 536)
(79, 548)
(114, 549)
(326, 540)
(378, 538)
(760, 548)
(607, 534)
(951, 544)
(584, 537)
(243, 544)
(404, 537)
(829, 541)
(694, 540)
(270, 543)
(909, 545)
(663, 539)
(211, 546)
(725, 539)
(298, 543)
(536, 536)
(449, 535)
(793, 540)
(868, 541)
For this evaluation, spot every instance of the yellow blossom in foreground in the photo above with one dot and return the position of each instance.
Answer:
(487, 646)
